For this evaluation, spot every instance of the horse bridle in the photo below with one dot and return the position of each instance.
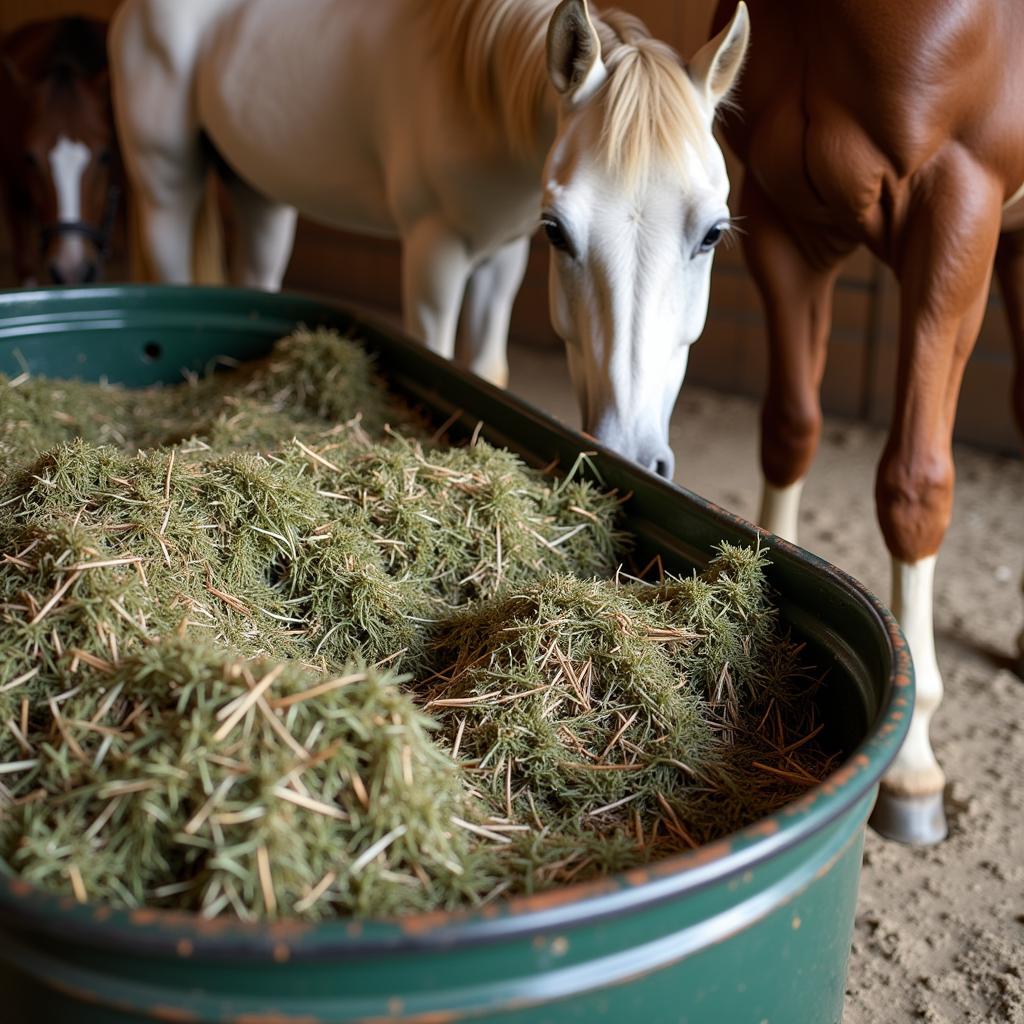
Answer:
(98, 234)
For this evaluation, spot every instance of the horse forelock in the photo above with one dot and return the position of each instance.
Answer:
(651, 113)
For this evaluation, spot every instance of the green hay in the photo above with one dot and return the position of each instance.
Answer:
(311, 381)
(147, 793)
(591, 705)
(167, 549)
(467, 521)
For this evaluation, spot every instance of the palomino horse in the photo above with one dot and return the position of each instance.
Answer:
(899, 126)
(58, 165)
(455, 125)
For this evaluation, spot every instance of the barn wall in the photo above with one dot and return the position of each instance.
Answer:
(730, 355)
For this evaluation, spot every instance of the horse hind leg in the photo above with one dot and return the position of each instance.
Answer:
(944, 272)
(159, 137)
(1010, 270)
(264, 231)
(797, 298)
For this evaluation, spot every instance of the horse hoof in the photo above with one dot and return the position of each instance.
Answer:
(915, 820)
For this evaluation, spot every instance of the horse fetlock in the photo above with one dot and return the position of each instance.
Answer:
(918, 777)
(916, 772)
(494, 371)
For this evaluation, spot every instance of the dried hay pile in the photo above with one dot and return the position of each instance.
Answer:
(206, 592)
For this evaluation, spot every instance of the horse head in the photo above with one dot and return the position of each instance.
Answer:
(635, 193)
(62, 165)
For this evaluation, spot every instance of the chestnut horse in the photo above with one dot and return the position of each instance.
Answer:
(58, 165)
(899, 126)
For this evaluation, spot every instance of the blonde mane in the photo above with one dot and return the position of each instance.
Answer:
(495, 53)
(650, 107)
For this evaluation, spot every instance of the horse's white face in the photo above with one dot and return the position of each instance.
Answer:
(629, 281)
(631, 262)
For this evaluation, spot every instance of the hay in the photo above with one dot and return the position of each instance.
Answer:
(187, 573)
(586, 705)
(168, 783)
(310, 381)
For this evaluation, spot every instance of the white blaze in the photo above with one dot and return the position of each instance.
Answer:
(68, 160)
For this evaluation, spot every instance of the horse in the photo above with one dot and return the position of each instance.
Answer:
(899, 127)
(455, 125)
(59, 173)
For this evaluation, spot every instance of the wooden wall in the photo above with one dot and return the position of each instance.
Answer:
(730, 355)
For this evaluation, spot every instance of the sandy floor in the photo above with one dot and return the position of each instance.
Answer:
(940, 932)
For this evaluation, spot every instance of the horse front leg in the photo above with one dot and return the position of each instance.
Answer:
(1010, 269)
(160, 137)
(797, 295)
(945, 265)
(487, 311)
(264, 235)
(435, 267)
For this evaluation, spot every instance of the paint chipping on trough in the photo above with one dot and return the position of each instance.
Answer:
(272, 1017)
(174, 1015)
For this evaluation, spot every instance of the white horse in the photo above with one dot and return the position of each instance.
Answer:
(453, 124)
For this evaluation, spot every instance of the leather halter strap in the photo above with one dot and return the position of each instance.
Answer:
(98, 234)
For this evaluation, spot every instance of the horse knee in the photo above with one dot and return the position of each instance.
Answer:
(914, 495)
(790, 430)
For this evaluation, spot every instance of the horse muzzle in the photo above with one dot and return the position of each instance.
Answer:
(645, 448)
(72, 253)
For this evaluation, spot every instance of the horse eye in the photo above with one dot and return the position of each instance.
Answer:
(713, 237)
(556, 234)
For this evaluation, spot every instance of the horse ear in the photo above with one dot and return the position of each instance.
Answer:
(716, 65)
(574, 52)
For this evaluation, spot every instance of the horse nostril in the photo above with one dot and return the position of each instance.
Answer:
(663, 465)
(55, 274)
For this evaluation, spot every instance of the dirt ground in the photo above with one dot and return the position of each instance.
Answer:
(940, 932)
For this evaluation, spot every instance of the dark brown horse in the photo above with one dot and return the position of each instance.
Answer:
(899, 126)
(59, 168)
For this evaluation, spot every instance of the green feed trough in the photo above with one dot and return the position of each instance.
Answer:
(754, 929)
